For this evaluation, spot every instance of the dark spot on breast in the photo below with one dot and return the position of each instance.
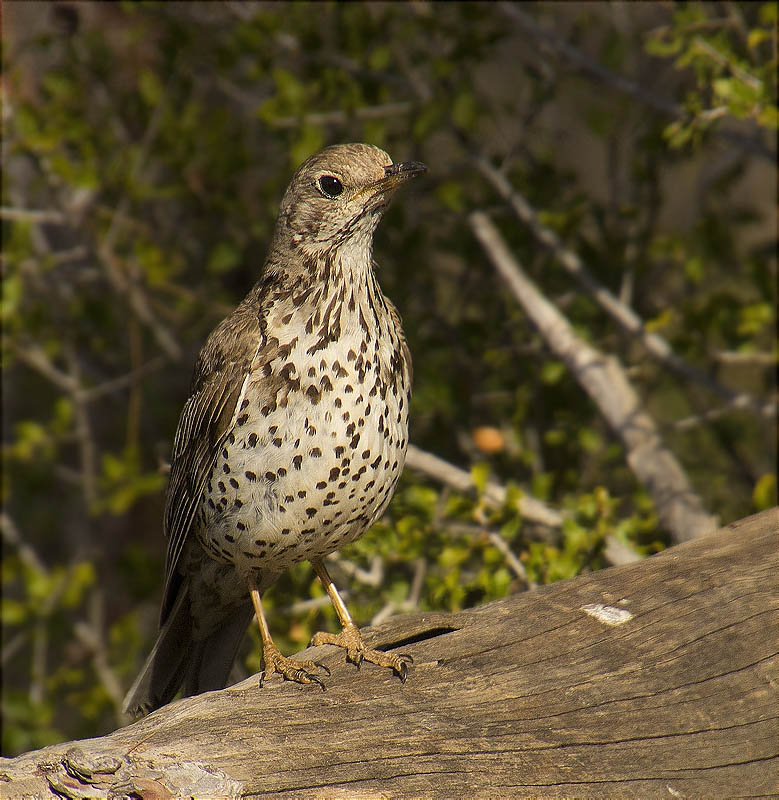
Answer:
(250, 475)
(234, 483)
(315, 452)
(270, 476)
(334, 473)
(242, 419)
(297, 461)
(313, 394)
(252, 439)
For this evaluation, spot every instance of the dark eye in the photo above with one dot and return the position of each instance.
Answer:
(330, 185)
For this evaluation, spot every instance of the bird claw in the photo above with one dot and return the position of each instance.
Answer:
(356, 653)
(290, 669)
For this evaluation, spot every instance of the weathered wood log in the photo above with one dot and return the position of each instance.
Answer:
(654, 679)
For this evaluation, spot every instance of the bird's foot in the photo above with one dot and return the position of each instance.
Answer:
(350, 639)
(289, 668)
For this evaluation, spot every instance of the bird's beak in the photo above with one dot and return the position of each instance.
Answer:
(395, 174)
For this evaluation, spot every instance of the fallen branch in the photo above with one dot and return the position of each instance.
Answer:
(656, 679)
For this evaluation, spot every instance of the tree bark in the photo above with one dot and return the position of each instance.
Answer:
(653, 679)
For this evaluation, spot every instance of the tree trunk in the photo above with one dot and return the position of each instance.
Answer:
(653, 679)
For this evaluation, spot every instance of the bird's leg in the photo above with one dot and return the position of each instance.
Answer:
(349, 637)
(273, 661)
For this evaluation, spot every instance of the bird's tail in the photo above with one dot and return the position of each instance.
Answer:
(176, 658)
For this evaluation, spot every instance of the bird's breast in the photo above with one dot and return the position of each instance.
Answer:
(318, 442)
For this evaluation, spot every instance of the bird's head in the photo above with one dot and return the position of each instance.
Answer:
(337, 197)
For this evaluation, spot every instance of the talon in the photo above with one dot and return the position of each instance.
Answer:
(322, 666)
(402, 672)
(406, 657)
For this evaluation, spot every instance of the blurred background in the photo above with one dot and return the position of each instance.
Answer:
(623, 155)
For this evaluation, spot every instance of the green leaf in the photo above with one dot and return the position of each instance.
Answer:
(150, 87)
(224, 257)
(451, 195)
(552, 372)
(480, 473)
(765, 495)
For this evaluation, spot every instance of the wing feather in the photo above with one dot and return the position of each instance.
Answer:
(232, 351)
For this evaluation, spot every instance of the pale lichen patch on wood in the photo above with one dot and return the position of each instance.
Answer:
(608, 615)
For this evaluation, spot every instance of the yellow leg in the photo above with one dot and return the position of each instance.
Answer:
(273, 661)
(349, 638)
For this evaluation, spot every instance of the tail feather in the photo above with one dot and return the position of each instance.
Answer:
(177, 658)
(212, 658)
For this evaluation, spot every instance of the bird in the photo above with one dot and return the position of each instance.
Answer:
(293, 437)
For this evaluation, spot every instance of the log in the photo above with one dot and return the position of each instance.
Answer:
(652, 679)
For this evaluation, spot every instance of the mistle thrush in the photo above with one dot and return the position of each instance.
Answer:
(294, 434)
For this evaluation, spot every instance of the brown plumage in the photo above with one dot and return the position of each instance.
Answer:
(294, 434)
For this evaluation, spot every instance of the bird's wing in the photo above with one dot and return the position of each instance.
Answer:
(218, 385)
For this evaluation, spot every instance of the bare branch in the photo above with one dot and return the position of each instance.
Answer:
(343, 117)
(35, 357)
(31, 215)
(625, 317)
(85, 437)
(459, 479)
(603, 378)
(13, 537)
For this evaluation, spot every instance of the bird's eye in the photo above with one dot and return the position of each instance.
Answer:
(330, 185)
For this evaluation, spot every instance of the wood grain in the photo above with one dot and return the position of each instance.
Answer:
(653, 679)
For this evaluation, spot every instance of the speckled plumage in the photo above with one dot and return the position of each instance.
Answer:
(295, 431)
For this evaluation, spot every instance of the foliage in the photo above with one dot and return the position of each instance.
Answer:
(146, 148)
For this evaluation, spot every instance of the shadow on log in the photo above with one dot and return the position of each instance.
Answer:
(654, 679)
